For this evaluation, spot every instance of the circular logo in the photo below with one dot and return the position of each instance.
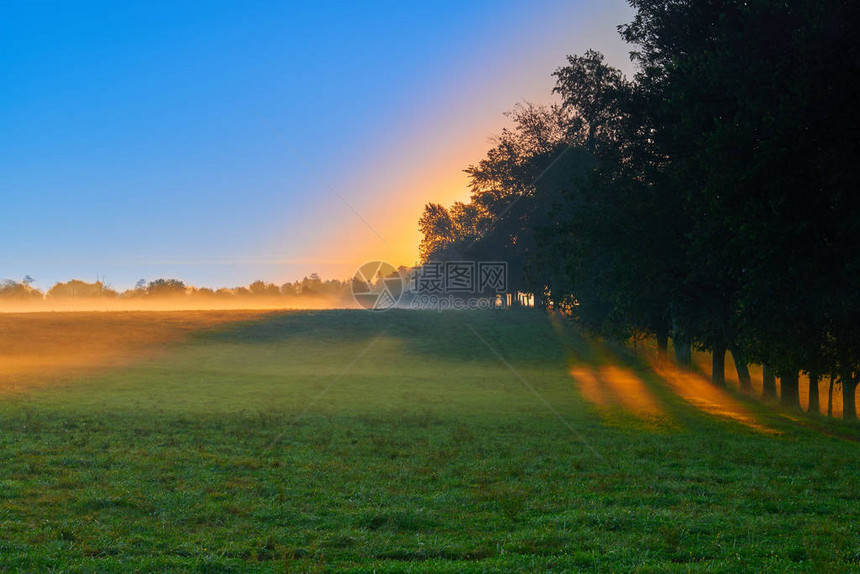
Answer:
(377, 286)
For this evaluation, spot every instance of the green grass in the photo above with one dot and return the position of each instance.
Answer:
(399, 442)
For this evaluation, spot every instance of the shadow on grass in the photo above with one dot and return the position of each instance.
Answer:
(522, 337)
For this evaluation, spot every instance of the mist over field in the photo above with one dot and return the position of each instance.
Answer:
(174, 303)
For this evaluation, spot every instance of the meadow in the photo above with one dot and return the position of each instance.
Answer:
(402, 441)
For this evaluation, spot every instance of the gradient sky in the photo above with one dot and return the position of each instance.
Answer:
(138, 139)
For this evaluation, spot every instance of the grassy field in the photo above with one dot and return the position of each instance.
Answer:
(401, 442)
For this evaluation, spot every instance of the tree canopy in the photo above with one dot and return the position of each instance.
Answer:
(712, 198)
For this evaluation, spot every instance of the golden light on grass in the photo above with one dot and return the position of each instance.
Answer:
(619, 389)
(702, 394)
(632, 392)
(613, 388)
(591, 387)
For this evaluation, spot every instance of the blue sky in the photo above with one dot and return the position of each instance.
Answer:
(136, 138)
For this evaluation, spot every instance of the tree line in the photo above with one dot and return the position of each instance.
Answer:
(713, 199)
(311, 286)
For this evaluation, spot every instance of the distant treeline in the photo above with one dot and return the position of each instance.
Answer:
(713, 199)
(312, 286)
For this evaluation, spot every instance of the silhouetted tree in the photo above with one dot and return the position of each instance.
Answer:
(22, 291)
(165, 287)
(78, 288)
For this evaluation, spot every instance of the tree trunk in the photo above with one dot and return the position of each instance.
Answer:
(662, 345)
(743, 371)
(718, 372)
(789, 394)
(683, 348)
(830, 396)
(768, 384)
(684, 354)
(849, 386)
(814, 402)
